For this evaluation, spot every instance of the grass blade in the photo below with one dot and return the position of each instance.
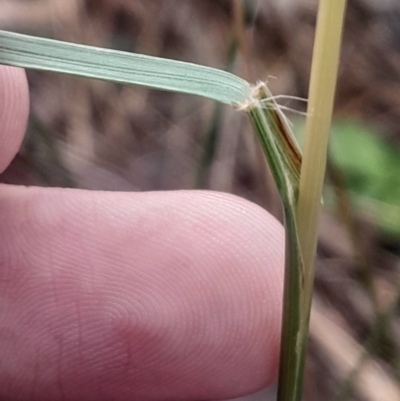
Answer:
(121, 67)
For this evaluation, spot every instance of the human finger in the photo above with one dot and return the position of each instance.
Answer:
(144, 296)
(14, 110)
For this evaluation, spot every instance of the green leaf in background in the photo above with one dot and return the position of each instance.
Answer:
(370, 167)
(371, 170)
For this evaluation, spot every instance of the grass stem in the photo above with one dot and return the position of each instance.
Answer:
(301, 219)
(320, 106)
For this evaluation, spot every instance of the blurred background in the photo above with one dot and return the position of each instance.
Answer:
(96, 135)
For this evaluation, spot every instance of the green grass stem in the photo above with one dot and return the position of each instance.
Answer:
(324, 70)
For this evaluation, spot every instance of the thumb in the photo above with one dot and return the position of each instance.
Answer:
(14, 110)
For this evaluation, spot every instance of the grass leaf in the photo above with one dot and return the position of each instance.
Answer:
(121, 67)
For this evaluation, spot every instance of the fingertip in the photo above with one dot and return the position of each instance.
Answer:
(150, 296)
(14, 110)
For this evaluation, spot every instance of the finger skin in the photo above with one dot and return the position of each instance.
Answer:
(14, 110)
(136, 296)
